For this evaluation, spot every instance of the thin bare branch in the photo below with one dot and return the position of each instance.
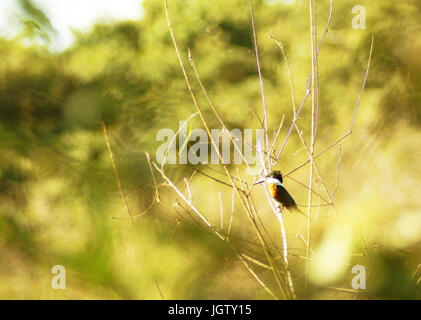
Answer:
(170, 144)
(353, 119)
(117, 176)
(221, 210)
(308, 92)
(249, 214)
(278, 213)
(339, 173)
(232, 214)
(148, 158)
(314, 102)
(262, 94)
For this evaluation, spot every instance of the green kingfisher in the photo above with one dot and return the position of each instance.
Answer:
(277, 191)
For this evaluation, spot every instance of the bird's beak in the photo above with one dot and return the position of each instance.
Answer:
(260, 181)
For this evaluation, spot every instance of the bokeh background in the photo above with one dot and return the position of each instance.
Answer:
(58, 193)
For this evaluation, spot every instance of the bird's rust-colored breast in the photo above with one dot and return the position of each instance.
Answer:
(272, 190)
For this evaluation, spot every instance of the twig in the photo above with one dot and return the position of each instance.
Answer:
(155, 199)
(256, 277)
(353, 119)
(208, 224)
(215, 179)
(314, 96)
(275, 138)
(175, 137)
(305, 186)
(187, 190)
(117, 176)
(275, 272)
(278, 213)
(291, 83)
(148, 158)
(187, 201)
(211, 104)
(221, 210)
(339, 172)
(256, 52)
(232, 214)
(294, 123)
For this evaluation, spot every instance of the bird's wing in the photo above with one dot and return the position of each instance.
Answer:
(284, 197)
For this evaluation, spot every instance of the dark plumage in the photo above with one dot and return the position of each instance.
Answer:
(279, 193)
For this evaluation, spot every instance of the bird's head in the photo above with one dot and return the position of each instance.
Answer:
(275, 174)
(275, 177)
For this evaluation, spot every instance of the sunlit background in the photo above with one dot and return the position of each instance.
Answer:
(68, 16)
(67, 65)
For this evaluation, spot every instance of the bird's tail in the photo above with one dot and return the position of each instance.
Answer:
(298, 210)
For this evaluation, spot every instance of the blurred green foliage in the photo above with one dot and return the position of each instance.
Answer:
(57, 188)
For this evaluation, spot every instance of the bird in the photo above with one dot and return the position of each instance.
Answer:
(278, 192)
